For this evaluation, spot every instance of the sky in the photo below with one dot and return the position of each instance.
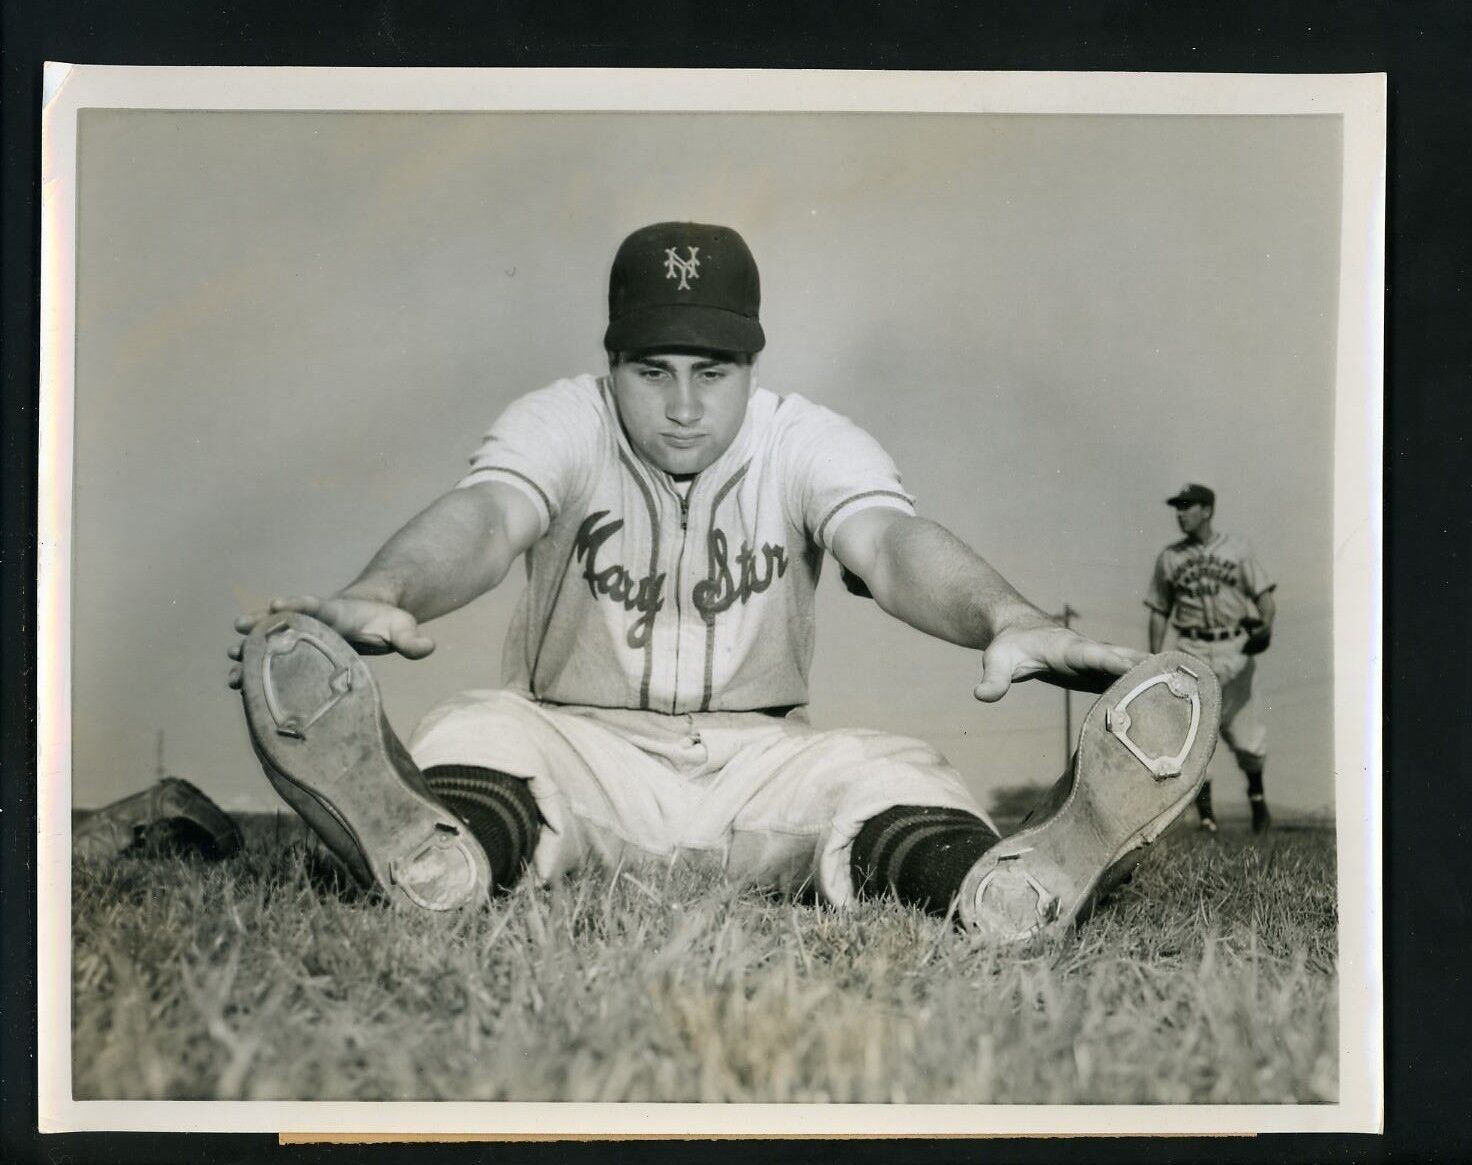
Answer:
(292, 329)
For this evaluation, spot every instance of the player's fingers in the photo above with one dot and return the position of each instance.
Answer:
(306, 604)
(1087, 666)
(413, 646)
(405, 637)
(997, 664)
(236, 651)
(234, 678)
(1088, 656)
(245, 624)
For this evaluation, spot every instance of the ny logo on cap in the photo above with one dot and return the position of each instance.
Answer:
(686, 269)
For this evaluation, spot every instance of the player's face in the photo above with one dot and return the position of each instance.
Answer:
(1189, 518)
(681, 411)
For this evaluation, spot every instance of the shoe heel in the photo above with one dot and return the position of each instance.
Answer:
(440, 873)
(1010, 899)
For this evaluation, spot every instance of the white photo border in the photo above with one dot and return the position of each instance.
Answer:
(1358, 99)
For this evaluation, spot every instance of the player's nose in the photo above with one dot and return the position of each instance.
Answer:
(681, 405)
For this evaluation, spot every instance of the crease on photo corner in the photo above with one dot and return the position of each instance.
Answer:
(53, 81)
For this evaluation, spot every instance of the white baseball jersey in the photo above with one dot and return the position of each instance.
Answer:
(1208, 587)
(638, 597)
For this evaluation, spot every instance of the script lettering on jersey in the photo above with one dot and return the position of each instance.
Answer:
(1205, 574)
(720, 589)
(614, 582)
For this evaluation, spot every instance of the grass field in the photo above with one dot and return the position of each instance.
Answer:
(1210, 979)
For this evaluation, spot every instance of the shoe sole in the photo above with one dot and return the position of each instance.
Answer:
(1141, 760)
(317, 725)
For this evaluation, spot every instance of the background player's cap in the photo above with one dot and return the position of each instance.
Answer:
(684, 285)
(1190, 494)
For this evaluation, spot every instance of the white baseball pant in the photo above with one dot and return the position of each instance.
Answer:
(772, 801)
(1243, 727)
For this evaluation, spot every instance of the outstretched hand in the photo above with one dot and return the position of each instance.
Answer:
(372, 627)
(1053, 654)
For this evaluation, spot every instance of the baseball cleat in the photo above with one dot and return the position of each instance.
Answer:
(1141, 758)
(317, 725)
(171, 814)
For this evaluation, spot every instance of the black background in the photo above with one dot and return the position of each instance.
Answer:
(1424, 47)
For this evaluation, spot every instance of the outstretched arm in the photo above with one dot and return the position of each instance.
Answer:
(921, 573)
(1157, 630)
(1267, 607)
(453, 551)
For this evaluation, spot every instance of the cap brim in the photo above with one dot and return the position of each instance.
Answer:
(684, 326)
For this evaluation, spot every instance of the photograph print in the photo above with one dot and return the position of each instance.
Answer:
(733, 604)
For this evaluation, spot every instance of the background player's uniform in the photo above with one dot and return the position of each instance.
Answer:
(1206, 590)
(656, 668)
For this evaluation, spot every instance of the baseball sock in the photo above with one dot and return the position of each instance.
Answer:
(1256, 800)
(919, 853)
(498, 809)
(1203, 801)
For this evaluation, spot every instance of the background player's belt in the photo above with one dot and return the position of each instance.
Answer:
(1210, 634)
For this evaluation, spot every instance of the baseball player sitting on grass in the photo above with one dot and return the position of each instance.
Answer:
(674, 518)
(1211, 587)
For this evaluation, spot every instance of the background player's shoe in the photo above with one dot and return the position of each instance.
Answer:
(171, 814)
(1203, 809)
(318, 727)
(1261, 818)
(1141, 759)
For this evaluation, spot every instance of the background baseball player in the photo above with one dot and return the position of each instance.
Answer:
(1212, 589)
(674, 518)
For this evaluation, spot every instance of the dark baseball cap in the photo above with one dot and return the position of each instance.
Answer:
(1192, 493)
(684, 285)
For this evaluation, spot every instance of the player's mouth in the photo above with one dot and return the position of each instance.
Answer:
(683, 440)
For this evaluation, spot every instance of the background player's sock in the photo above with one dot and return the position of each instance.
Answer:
(498, 809)
(919, 853)
(1203, 807)
(1256, 799)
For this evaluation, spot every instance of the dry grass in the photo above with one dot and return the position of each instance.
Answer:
(1210, 979)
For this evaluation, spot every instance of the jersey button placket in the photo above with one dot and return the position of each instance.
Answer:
(681, 539)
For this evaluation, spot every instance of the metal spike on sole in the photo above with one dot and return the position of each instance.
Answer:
(282, 640)
(1117, 720)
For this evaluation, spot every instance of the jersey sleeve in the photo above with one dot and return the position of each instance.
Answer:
(1255, 580)
(542, 445)
(1160, 595)
(832, 469)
